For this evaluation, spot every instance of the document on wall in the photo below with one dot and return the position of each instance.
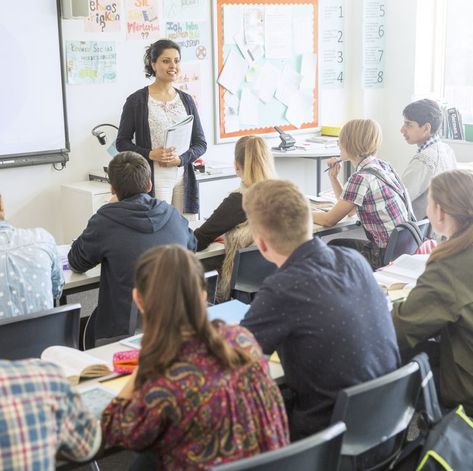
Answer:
(233, 72)
(248, 112)
(374, 19)
(266, 82)
(332, 43)
(179, 135)
(288, 84)
(308, 71)
(300, 109)
(277, 31)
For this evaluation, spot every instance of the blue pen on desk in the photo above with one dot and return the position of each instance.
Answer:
(337, 162)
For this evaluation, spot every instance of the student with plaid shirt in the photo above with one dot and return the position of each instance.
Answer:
(374, 191)
(40, 416)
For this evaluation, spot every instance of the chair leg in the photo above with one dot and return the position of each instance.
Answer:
(94, 466)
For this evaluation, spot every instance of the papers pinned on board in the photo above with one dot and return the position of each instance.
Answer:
(179, 135)
(233, 72)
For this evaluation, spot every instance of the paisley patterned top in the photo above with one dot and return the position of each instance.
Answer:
(198, 414)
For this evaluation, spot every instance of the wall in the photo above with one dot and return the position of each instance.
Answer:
(32, 194)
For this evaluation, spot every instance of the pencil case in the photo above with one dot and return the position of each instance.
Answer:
(125, 362)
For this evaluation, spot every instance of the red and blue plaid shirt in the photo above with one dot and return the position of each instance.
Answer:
(39, 416)
(378, 206)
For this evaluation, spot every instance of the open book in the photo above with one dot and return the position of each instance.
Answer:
(76, 364)
(403, 272)
(179, 135)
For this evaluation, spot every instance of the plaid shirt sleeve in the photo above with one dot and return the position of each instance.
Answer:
(355, 189)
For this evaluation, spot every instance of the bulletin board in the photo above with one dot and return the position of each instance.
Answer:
(265, 59)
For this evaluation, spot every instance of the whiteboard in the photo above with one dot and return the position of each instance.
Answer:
(33, 126)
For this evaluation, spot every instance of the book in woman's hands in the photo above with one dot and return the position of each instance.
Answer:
(179, 135)
(76, 364)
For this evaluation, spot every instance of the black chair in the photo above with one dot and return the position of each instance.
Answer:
(250, 269)
(377, 414)
(319, 452)
(211, 279)
(406, 238)
(27, 336)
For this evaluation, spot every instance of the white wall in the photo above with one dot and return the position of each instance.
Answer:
(32, 194)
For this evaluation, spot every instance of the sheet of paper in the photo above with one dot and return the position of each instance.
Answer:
(233, 72)
(253, 26)
(289, 83)
(232, 105)
(232, 23)
(278, 32)
(303, 34)
(248, 112)
(308, 71)
(300, 108)
(266, 82)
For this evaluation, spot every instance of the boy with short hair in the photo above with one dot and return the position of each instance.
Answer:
(119, 233)
(322, 311)
(422, 121)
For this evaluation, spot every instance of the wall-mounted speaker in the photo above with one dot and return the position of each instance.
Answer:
(74, 9)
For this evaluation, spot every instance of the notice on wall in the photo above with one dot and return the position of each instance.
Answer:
(374, 20)
(192, 37)
(332, 43)
(189, 80)
(104, 16)
(142, 20)
(179, 9)
(89, 62)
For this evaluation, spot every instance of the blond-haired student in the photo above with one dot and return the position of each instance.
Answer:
(202, 394)
(322, 310)
(253, 163)
(374, 191)
(442, 300)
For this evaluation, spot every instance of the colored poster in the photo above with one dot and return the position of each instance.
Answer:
(189, 80)
(142, 20)
(192, 37)
(104, 16)
(90, 62)
(179, 9)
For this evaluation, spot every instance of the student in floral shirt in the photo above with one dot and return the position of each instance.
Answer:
(202, 394)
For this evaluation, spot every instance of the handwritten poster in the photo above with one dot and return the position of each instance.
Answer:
(89, 62)
(374, 20)
(189, 80)
(142, 20)
(192, 37)
(104, 16)
(178, 9)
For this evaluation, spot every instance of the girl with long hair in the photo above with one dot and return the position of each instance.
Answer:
(201, 394)
(442, 300)
(253, 163)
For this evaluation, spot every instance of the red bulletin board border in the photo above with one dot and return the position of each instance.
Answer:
(218, 39)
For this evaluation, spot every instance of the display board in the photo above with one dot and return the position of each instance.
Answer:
(33, 127)
(265, 58)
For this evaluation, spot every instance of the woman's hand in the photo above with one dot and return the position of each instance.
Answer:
(165, 157)
(334, 166)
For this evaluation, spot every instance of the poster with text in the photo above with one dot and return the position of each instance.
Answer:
(189, 80)
(185, 9)
(192, 37)
(104, 16)
(142, 20)
(89, 62)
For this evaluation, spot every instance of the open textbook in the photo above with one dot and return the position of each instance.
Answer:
(179, 135)
(403, 272)
(76, 364)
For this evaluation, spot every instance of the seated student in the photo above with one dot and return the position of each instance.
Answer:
(442, 300)
(422, 121)
(30, 272)
(322, 311)
(119, 233)
(41, 416)
(202, 394)
(374, 191)
(253, 163)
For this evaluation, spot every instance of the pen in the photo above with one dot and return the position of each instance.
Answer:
(337, 162)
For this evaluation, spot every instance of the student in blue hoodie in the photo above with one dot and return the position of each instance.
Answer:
(118, 234)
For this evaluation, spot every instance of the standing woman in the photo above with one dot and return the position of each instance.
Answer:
(442, 300)
(148, 113)
(202, 393)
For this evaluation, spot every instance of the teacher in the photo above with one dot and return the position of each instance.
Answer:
(146, 116)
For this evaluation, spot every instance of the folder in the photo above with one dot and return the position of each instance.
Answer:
(179, 135)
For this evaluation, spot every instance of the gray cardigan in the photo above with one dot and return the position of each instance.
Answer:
(134, 124)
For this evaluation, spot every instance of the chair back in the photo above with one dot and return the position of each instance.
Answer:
(27, 336)
(379, 410)
(406, 238)
(250, 269)
(319, 452)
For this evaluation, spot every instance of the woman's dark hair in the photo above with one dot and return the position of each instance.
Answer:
(170, 281)
(154, 50)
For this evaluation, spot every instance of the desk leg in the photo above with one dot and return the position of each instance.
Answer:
(318, 179)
